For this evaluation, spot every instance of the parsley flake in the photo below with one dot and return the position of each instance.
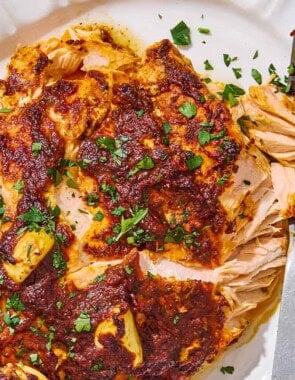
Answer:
(118, 211)
(151, 275)
(238, 72)
(92, 199)
(11, 320)
(100, 278)
(129, 270)
(126, 225)
(98, 216)
(36, 149)
(204, 30)
(114, 147)
(98, 366)
(255, 54)
(19, 185)
(176, 319)
(181, 34)
(15, 303)
(82, 323)
(110, 190)
(139, 113)
(231, 92)
(228, 60)
(256, 75)
(5, 110)
(222, 180)
(35, 359)
(58, 262)
(203, 137)
(187, 109)
(208, 65)
(145, 164)
(194, 162)
(228, 369)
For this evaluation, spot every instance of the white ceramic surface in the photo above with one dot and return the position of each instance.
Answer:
(239, 28)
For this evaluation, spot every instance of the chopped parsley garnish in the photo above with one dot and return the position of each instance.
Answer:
(272, 69)
(58, 262)
(55, 175)
(160, 16)
(242, 123)
(181, 34)
(100, 278)
(92, 199)
(207, 124)
(140, 236)
(238, 72)
(84, 163)
(175, 236)
(11, 320)
(35, 219)
(129, 270)
(127, 225)
(256, 75)
(98, 366)
(228, 60)
(114, 147)
(178, 235)
(5, 110)
(167, 128)
(35, 359)
(36, 149)
(228, 369)
(19, 185)
(203, 137)
(15, 303)
(176, 319)
(83, 323)
(277, 81)
(207, 80)
(1, 279)
(145, 164)
(59, 305)
(222, 180)
(72, 184)
(231, 92)
(291, 69)
(82, 211)
(50, 337)
(108, 143)
(65, 162)
(255, 55)
(98, 216)
(151, 275)
(139, 113)
(194, 162)
(110, 190)
(2, 207)
(118, 211)
(188, 109)
(208, 65)
(204, 30)
(218, 135)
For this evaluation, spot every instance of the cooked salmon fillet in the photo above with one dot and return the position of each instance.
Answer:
(141, 230)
